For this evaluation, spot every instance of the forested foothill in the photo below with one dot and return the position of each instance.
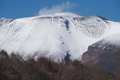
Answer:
(14, 67)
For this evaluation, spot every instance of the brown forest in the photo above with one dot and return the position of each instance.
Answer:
(14, 67)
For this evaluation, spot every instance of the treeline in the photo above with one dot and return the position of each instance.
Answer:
(14, 67)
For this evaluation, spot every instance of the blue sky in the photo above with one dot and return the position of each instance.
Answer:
(27, 8)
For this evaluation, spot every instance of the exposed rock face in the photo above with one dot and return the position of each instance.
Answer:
(99, 50)
(102, 53)
(5, 21)
(96, 54)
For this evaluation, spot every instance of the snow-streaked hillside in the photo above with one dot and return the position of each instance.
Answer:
(5, 21)
(112, 40)
(54, 35)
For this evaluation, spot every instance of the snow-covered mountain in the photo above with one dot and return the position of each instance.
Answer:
(54, 35)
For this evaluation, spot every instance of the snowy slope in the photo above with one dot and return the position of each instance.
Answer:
(112, 40)
(5, 21)
(54, 35)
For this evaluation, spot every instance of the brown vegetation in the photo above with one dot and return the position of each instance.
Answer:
(117, 71)
(14, 67)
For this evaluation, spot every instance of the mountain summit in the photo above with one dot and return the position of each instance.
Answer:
(54, 35)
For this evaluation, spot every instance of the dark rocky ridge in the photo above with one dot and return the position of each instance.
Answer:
(104, 57)
(4, 20)
(95, 54)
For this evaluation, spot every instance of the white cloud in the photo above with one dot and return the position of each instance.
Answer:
(64, 7)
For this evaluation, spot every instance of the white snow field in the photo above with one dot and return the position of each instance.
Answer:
(54, 35)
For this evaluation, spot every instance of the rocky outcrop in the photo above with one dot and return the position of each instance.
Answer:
(101, 57)
(96, 54)
(5, 21)
(103, 52)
